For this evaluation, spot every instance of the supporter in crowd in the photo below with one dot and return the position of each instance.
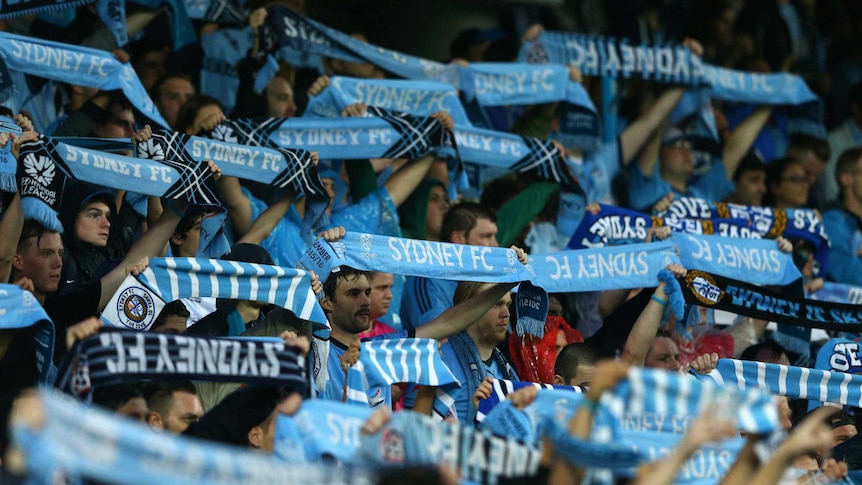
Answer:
(236, 59)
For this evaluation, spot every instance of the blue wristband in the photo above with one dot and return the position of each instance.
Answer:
(658, 300)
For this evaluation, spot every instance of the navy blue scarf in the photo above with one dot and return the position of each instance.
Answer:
(115, 356)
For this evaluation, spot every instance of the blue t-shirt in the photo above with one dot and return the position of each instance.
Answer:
(843, 229)
(425, 299)
(594, 175)
(460, 395)
(285, 243)
(645, 191)
(375, 213)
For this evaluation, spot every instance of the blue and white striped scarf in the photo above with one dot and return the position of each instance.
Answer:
(76, 65)
(610, 57)
(171, 279)
(793, 382)
(111, 449)
(383, 362)
(20, 309)
(116, 356)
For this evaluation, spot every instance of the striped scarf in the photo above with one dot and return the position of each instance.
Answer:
(169, 279)
(793, 382)
(115, 356)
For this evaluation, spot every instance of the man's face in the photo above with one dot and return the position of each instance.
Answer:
(120, 124)
(279, 99)
(42, 261)
(842, 434)
(185, 409)
(188, 243)
(438, 204)
(173, 94)
(484, 233)
(329, 187)
(491, 328)
(663, 354)
(288, 407)
(676, 159)
(381, 294)
(151, 67)
(751, 187)
(351, 305)
(92, 225)
(854, 190)
(173, 324)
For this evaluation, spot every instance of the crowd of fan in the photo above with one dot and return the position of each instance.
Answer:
(74, 274)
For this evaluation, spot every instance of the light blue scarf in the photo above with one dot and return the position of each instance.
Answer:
(47, 164)
(793, 382)
(76, 65)
(170, 279)
(610, 57)
(109, 448)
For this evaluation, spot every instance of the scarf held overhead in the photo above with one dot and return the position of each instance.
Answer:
(20, 309)
(47, 164)
(116, 356)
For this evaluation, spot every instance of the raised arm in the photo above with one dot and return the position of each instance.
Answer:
(459, 317)
(742, 137)
(262, 227)
(636, 135)
(647, 325)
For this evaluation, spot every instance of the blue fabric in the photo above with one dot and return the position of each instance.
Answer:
(285, 243)
(223, 50)
(759, 260)
(320, 428)
(182, 30)
(359, 391)
(416, 97)
(127, 449)
(111, 12)
(846, 265)
(837, 293)
(793, 382)
(375, 213)
(644, 191)
(20, 309)
(424, 299)
(174, 278)
(531, 309)
(768, 222)
(8, 168)
(459, 399)
(416, 257)
(598, 269)
(47, 163)
(77, 65)
(218, 11)
(115, 356)
(606, 56)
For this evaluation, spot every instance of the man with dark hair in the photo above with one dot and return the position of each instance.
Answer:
(426, 298)
(173, 406)
(769, 352)
(842, 223)
(123, 399)
(170, 93)
(574, 365)
(172, 319)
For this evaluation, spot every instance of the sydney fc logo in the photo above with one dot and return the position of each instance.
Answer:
(224, 133)
(365, 241)
(704, 287)
(40, 168)
(135, 308)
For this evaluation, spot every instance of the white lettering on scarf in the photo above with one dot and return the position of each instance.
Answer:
(439, 254)
(409, 100)
(60, 59)
(332, 137)
(198, 356)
